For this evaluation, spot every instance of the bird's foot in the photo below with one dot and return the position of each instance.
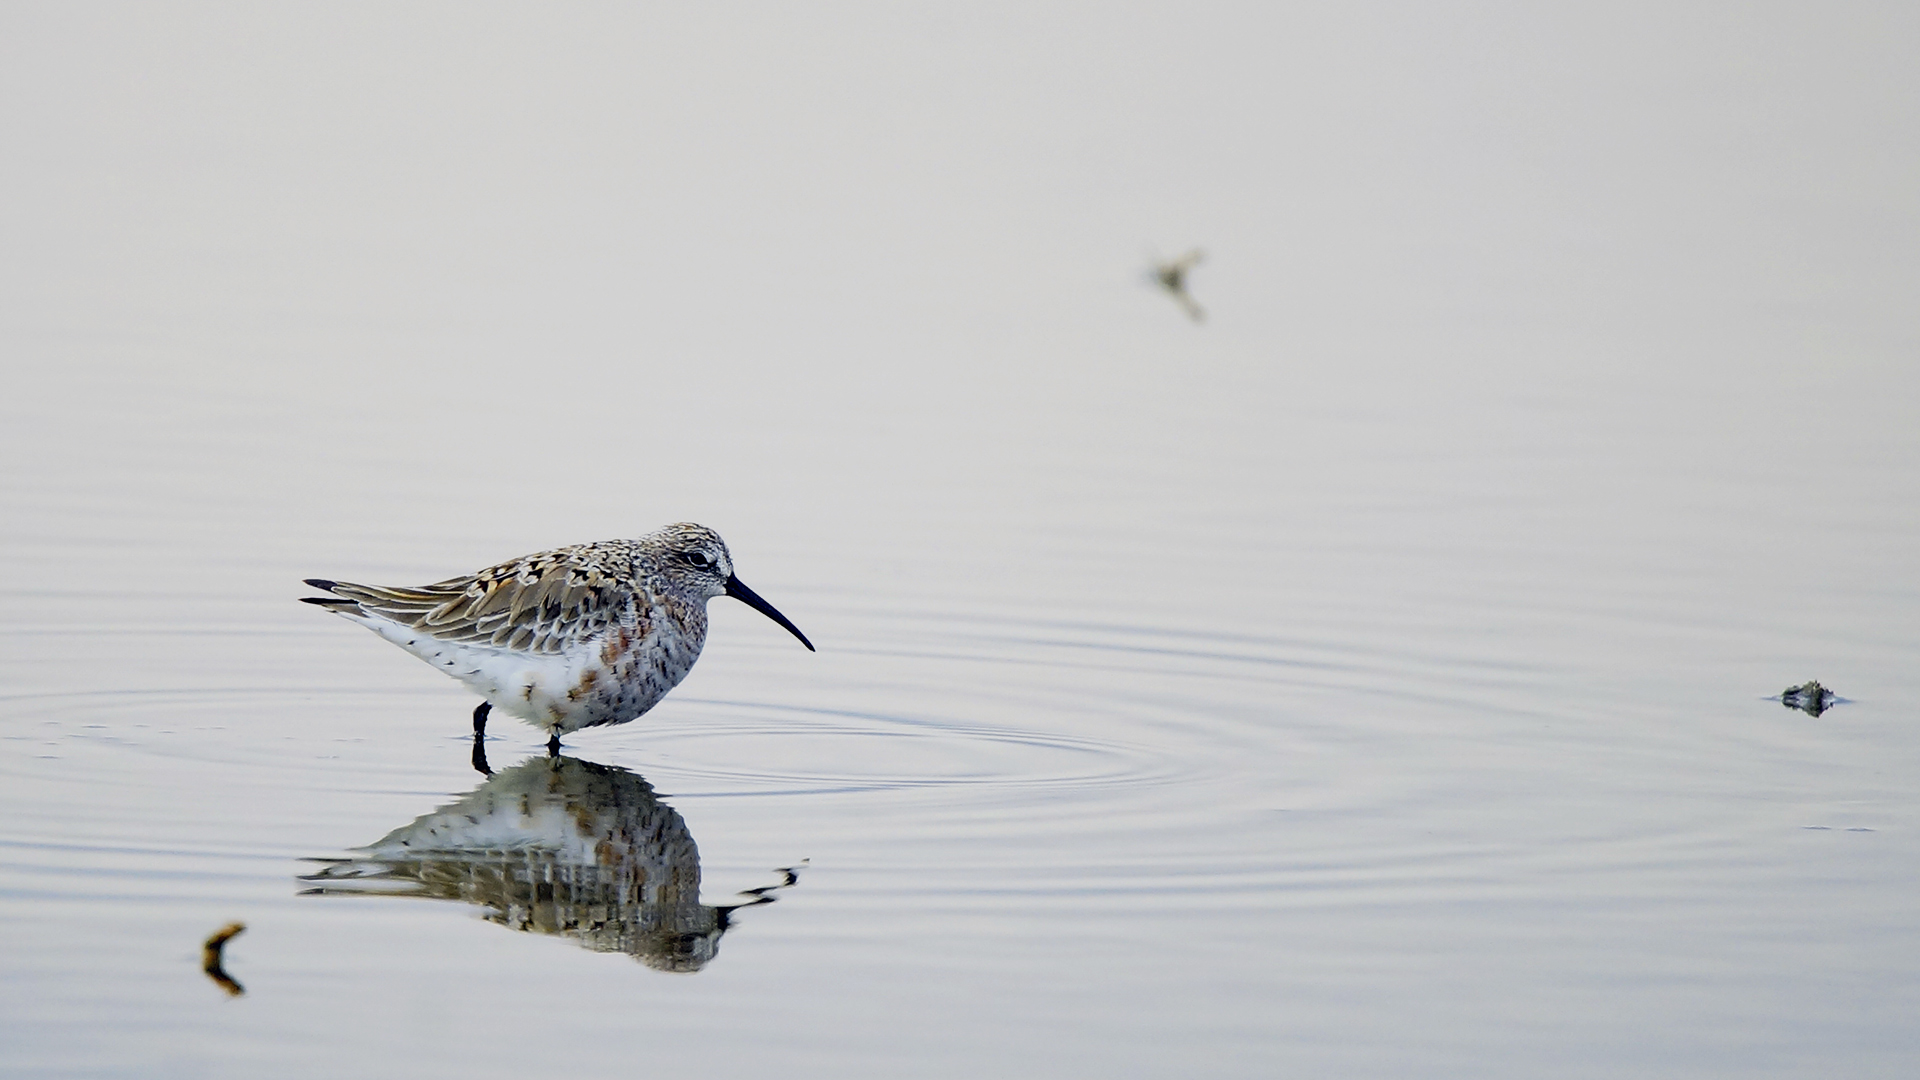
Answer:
(480, 712)
(480, 756)
(553, 745)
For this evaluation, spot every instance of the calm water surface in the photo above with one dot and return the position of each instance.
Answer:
(1368, 682)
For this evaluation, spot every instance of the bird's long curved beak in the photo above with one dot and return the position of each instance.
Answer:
(752, 599)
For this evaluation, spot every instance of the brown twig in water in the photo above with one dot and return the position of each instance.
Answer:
(210, 958)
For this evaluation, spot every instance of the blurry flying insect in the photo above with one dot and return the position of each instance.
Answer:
(210, 958)
(1171, 275)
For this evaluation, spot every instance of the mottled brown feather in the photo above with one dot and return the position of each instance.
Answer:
(540, 603)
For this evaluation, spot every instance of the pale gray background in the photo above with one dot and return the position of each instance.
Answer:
(1368, 681)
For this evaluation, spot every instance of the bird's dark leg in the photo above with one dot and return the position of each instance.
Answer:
(480, 712)
(553, 745)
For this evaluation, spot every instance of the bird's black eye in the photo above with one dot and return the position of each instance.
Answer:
(696, 558)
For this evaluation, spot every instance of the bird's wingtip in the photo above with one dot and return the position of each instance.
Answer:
(331, 603)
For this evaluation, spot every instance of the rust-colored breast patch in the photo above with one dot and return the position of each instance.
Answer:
(619, 644)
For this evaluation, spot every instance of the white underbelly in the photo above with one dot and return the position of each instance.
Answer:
(557, 692)
(542, 690)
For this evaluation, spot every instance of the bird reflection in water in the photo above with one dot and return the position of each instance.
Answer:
(556, 845)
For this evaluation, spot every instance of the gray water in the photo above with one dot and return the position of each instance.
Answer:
(1371, 680)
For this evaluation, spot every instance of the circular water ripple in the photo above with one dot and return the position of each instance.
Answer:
(366, 740)
(205, 768)
(1037, 707)
(757, 748)
(1057, 760)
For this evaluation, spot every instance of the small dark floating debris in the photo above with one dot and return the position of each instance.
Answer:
(1810, 698)
(210, 958)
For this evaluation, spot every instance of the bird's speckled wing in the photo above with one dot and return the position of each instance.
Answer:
(540, 603)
